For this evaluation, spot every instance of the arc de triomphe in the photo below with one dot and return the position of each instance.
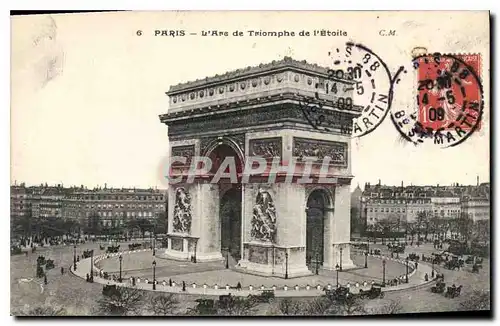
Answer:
(265, 228)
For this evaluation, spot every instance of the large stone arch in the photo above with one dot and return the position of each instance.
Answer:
(259, 112)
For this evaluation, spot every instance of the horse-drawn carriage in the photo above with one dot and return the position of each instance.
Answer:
(110, 290)
(414, 257)
(373, 293)
(454, 263)
(41, 260)
(439, 287)
(49, 264)
(134, 246)
(203, 307)
(265, 296)
(113, 249)
(337, 294)
(396, 248)
(453, 292)
(87, 253)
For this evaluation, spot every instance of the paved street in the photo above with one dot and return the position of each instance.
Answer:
(79, 297)
(211, 273)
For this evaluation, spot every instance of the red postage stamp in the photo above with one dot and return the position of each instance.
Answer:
(448, 91)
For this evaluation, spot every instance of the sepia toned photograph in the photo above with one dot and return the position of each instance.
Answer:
(250, 163)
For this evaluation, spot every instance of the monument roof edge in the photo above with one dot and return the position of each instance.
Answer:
(286, 62)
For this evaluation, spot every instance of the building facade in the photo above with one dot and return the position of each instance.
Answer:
(400, 203)
(112, 206)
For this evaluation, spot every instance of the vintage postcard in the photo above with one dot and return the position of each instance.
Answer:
(250, 163)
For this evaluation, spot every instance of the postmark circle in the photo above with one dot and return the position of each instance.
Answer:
(358, 80)
(447, 103)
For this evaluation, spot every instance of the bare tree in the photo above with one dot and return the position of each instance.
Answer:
(123, 301)
(478, 300)
(391, 307)
(237, 306)
(352, 305)
(163, 305)
(320, 306)
(43, 311)
(289, 307)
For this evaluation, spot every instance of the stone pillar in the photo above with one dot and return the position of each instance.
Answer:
(208, 223)
(341, 236)
(268, 258)
(205, 225)
(291, 227)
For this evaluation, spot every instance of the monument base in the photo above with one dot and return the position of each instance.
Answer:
(184, 247)
(267, 259)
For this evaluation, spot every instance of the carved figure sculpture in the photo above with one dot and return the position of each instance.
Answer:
(264, 218)
(182, 211)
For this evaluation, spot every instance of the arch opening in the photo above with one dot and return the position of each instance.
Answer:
(316, 216)
(230, 199)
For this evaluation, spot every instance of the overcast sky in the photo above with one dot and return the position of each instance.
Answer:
(87, 91)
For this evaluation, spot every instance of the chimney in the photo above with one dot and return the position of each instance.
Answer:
(402, 186)
(379, 182)
(478, 180)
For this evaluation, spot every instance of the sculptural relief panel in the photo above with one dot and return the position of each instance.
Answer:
(177, 244)
(318, 149)
(266, 147)
(182, 211)
(258, 255)
(187, 151)
(263, 223)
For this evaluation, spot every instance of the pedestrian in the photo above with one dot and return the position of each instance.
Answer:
(416, 265)
(170, 282)
(426, 277)
(62, 270)
(133, 281)
(238, 286)
(45, 279)
(183, 286)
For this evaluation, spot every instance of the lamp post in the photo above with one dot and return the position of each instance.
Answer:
(227, 258)
(337, 268)
(154, 240)
(195, 245)
(317, 263)
(120, 259)
(383, 272)
(74, 257)
(154, 274)
(432, 271)
(407, 264)
(366, 259)
(286, 265)
(91, 265)
(341, 258)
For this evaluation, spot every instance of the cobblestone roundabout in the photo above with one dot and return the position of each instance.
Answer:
(79, 297)
(214, 278)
